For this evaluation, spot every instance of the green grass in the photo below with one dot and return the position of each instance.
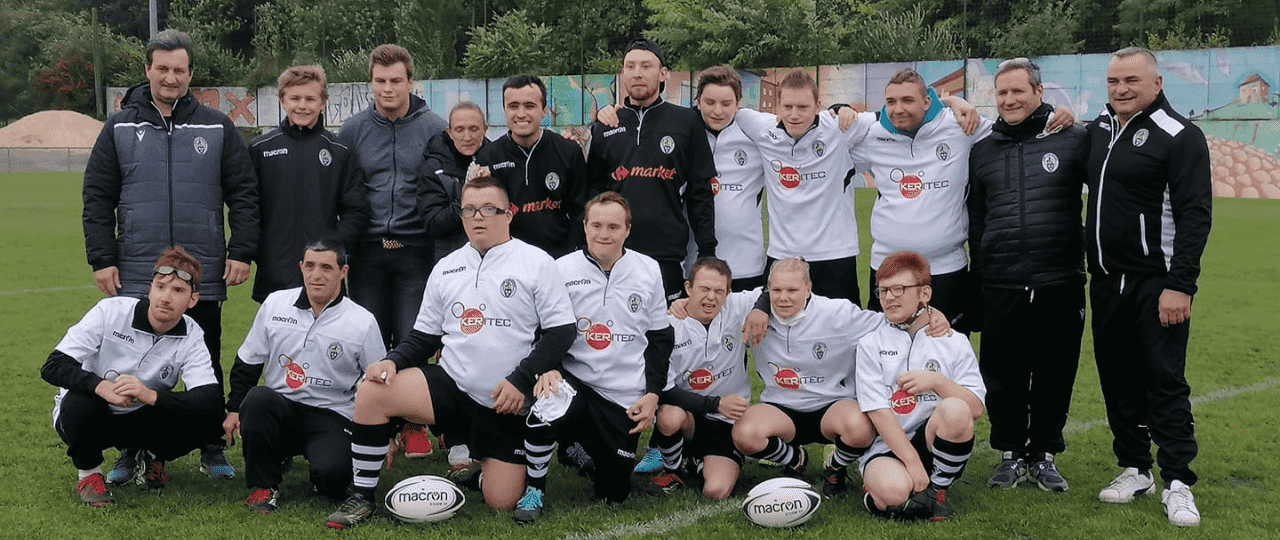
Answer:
(1233, 345)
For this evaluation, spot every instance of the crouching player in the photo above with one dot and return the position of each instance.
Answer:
(485, 304)
(313, 344)
(117, 368)
(806, 361)
(709, 384)
(922, 392)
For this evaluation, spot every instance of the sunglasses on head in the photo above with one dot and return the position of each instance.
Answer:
(169, 270)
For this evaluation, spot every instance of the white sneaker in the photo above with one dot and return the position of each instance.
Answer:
(459, 456)
(1128, 485)
(1180, 505)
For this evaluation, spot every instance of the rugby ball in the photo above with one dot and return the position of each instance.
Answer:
(424, 499)
(781, 503)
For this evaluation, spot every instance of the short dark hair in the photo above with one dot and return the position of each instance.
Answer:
(388, 55)
(800, 79)
(486, 183)
(607, 197)
(521, 81)
(711, 264)
(328, 244)
(723, 76)
(904, 261)
(177, 257)
(909, 75)
(172, 40)
(299, 75)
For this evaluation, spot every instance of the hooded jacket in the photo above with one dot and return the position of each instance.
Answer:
(153, 182)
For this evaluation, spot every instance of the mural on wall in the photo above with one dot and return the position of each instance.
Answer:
(1228, 93)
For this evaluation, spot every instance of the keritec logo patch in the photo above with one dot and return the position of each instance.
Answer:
(902, 402)
(472, 320)
(908, 184)
(700, 379)
(599, 335)
(785, 377)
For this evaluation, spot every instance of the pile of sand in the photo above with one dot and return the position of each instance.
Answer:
(51, 129)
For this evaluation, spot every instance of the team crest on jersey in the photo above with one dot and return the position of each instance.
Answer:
(508, 287)
(819, 350)
(335, 350)
(470, 320)
(201, 145)
(553, 181)
(1140, 138)
(140, 133)
(819, 148)
(1049, 162)
(633, 302)
(727, 341)
(700, 379)
(909, 185)
(325, 157)
(598, 335)
(943, 151)
(668, 145)
(166, 372)
(740, 157)
(932, 365)
(785, 377)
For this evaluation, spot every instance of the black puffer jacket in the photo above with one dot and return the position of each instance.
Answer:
(1025, 203)
(442, 175)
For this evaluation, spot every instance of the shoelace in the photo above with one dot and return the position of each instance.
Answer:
(532, 498)
(1180, 501)
(351, 503)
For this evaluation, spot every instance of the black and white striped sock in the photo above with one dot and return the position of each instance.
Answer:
(777, 451)
(845, 455)
(369, 445)
(949, 460)
(538, 443)
(671, 446)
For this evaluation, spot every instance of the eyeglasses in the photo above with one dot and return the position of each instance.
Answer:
(169, 270)
(897, 290)
(486, 211)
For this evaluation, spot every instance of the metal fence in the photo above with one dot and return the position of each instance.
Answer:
(43, 159)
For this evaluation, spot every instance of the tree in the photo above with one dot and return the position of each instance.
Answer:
(742, 33)
(508, 45)
(1048, 29)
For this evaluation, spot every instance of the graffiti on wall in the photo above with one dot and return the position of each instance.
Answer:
(1228, 93)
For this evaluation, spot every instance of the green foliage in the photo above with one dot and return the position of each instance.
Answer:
(510, 44)
(1050, 29)
(208, 22)
(742, 33)
(1179, 37)
(896, 37)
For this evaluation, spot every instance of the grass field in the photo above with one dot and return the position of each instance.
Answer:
(46, 286)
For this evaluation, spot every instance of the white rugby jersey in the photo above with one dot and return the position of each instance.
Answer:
(115, 338)
(487, 309)
(810, 213)
(712, 360)
(888, 352)
(809, 364)
(737, 188)
(311, 360)
(922, 184)
(614, 311)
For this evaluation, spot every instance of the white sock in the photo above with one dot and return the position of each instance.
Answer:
(86, 473)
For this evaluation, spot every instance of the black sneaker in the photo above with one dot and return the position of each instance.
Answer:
(930, 504)
(352, 511)
(152, 475)
(834, 481)
(213, 462)
(576, 456)
(126, 467)
(1046, 474)
(1009, 472)
(797, 470)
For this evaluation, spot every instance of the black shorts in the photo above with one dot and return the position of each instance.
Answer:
(808, 424)
(713, 437)
(919, 441)
(488, 434)
(600, 425)
(746, 284)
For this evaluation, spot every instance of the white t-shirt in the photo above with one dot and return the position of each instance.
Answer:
(712, 360)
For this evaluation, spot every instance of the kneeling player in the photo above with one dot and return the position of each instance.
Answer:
(116, 369)
(710, 385)
(314, 344)
(923, 394)
(806, 360)
(485, 304)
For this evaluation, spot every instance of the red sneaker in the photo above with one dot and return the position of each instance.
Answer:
(93, 491)
(415, 441)
(263, 500)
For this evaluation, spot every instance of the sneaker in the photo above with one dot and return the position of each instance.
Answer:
(834, 481)
(665, 483)
(93, 491)
(352, 511)
(929, 504)
(576, 456)
(529, 507)
(797, 470)
(1178, 502)
(650, 463)
(1046, 474)
(415, 441)
(263, 500)
(152, 475)
(460, 456)
(213, 461)
(467, 476)
(1010, 471)
(1128, 485)
(125, 468)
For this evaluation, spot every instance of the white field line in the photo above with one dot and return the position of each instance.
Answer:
(685, 518)
(24, 291)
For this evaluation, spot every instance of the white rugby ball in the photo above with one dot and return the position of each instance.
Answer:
(424, 498)
(781, 504)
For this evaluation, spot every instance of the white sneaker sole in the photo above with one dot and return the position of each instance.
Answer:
(1118, 498)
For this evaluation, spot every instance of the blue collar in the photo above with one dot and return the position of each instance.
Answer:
(935, 107)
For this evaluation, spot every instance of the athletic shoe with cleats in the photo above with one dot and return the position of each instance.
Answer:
(126, 467)
(665, 483)
(93, 491)
(797, 470)
(152, 475)
(1046, 475)
(930, 504)
(529, 507)
(213, 462)
(834, 481)
(263, 500)
(577, 457)
(415, 441)
(466, 476)
(1009, 472)
(1180, 505)
(650, 463)
(352, 511)
(1128, 485)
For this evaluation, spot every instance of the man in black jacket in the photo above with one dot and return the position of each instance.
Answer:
(159, 174)
(446, 160)
(308, 182)
(1027, 246)
(1149, 214)
(657, 158)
